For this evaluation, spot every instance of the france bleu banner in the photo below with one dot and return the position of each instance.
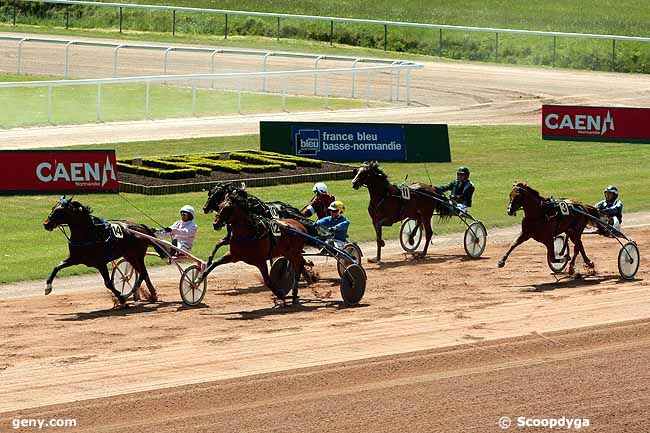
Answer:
(356, 142)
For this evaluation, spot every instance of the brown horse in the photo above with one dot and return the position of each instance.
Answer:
(93, 243)
(543, 221)
(252, 240)
(387, 205)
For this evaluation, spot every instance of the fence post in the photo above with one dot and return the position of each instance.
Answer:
(121, 18)
(99, 101)
(284, 95)
(65, 66)
(399, 83)
(278, 33)
(368, 89)
(440, 44)
(19, 56)
(408, 87)
(165, 60)
(331, 31)
(67, 16)
(116, 60)
(496, 47)
(212, 56)
(613, 54)
(316, 75)
(385, 37)
(554, 48)
(225, 34)
(354, 76)
(173, 22)
(49, 104)
(147, 87)
(266, 56)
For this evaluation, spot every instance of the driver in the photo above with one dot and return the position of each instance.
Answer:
(182, 231)
(611, 208)
(319, 204)
(461, 189)
(336, 222)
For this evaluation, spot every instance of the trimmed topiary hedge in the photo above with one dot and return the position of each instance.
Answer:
(255, 159)
(156, 172)
(300, 161)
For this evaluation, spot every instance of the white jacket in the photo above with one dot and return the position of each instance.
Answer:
(183, 232)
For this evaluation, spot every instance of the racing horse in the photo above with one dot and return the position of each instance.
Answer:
(94, 242)
(389, 204)
(543, 220)
(273, 209)
(255, 239)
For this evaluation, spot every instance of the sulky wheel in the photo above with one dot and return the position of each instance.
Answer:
(628, 260)
(352, 250)
(124, 277)
(475, 240)
(410, 235)
(192, 293)
(282, 276)
(353, 284)
(561, 251)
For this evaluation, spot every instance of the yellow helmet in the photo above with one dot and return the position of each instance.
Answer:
(337, 205)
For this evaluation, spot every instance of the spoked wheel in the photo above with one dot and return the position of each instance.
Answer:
(192, 293)
(353, 284)
(354, 251)
(410, 235)
(282, 276)
(475, 240)
(628, 260)
(561, 252)
(124, 277)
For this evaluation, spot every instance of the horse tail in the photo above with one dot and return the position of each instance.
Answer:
(160, 250)
(591, 211)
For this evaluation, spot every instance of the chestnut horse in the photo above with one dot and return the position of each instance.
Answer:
(387, 205)
(92, 243)
(543, 221)
(252, 240)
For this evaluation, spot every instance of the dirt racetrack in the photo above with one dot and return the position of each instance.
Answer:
(443, 344)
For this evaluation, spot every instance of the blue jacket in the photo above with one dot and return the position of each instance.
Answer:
(461, 192)
(611, 209)
(340, 226)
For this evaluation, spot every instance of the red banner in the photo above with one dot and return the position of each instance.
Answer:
(58, 171)
(564, 122)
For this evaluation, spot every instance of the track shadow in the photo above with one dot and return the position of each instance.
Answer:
(141, 308)
(305, 305)
(243, 290)
(570, 283)
(429, 259)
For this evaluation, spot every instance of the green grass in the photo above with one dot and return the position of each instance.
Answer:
(27, 106)
(497, 156)
(625, 17)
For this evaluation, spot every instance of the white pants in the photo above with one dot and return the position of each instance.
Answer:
(461, 207)
(613, 221)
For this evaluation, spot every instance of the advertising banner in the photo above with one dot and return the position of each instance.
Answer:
(58, 171)
(617, 124)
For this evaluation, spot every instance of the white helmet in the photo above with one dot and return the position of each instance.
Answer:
(189, 209)
(320, 187)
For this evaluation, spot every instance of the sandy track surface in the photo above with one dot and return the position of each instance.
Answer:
(66, 348)
(443, 92)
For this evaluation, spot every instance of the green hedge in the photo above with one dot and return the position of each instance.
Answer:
(163, 163)
(300, 161)
(156, 172)
(254, 168)
(254, 159)
(225, 166)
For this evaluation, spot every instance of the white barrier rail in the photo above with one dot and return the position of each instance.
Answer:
(332, 20)
(194, 78)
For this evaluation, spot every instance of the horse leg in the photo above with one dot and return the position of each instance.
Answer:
(222, 242)
(226, 258)
(298, 263)
(380, 242)
(64, 264)
(578, 247)
(143, 275)
(523, 237)
(117, 296)
(428, 231)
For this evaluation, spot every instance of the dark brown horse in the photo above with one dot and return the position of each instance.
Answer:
(388, 206)
(252, 240)
(93, 243)
(543, 221)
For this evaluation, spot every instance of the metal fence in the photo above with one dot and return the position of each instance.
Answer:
(386, 24)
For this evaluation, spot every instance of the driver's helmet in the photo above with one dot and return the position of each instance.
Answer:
(613, 190)
(337, 205)
(463, 170)
(189, 209)
(320, 187)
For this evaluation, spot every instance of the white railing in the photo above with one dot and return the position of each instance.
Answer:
(239, 76)
(332, 20)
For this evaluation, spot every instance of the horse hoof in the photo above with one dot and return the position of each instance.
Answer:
(374, 260)
(501, 264)
(381, 243)
(571, 271)
(590, 265)
(48, 289)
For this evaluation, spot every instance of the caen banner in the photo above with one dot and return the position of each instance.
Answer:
(565, 122)
(58, 171)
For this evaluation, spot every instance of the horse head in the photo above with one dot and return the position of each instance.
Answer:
(366, 173)
(217, 195)
(231, 208)
(66, 212)
(517, 197)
